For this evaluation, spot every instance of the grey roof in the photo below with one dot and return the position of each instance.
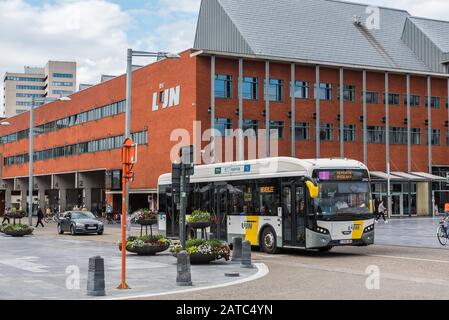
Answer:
(437, 31)
(316, 30)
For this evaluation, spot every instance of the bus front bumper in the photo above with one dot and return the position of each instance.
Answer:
(317, 240)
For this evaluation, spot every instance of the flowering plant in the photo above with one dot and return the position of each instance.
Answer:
(140, 242)
(143, 215)
(199, 216)
(204, 247)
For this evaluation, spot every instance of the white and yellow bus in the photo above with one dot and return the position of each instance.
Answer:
(279, 203)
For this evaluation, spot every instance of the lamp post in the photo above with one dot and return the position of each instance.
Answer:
(129, 65)
(129, 70)
(31, 151)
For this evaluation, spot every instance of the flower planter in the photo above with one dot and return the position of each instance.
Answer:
(198, 258)
(198, 225)
(147, 249)
(18, 233)
(147, 222)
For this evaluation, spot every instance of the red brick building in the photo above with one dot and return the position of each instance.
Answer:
(222, 84)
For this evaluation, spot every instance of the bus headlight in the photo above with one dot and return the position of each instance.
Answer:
(369, 229)
(322, 230)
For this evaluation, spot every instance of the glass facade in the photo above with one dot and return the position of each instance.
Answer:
(76, 119)
(99, 145)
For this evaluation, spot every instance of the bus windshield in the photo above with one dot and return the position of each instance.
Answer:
(341, 198)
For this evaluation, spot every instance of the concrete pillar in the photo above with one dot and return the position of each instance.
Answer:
(87, 198)
(23, 187)
(42, 184)
(9, 187)
(62, 200)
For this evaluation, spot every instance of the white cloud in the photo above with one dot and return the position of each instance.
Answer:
(90, 32)
(188, 6)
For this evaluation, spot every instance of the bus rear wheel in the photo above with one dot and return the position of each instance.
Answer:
(269, 242)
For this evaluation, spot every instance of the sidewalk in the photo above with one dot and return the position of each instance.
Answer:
(44, 265)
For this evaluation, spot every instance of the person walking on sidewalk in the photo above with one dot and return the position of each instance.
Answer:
(40, 217)
(381, 211)
(6, 216)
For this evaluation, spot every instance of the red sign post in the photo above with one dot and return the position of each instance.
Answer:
(129, 158)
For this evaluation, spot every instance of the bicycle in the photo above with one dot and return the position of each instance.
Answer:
(443, 230)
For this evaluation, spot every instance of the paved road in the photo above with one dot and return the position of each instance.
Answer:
(405, 273)
(414, 232)
(36, 268)
(412, 265)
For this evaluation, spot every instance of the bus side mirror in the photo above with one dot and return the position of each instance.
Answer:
(313, 189)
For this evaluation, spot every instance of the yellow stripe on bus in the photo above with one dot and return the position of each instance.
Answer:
(252, 230)
(357, 230)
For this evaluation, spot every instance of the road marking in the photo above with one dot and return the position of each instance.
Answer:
(25, 264)
(262, 272)
(390, 276)
(408, 258)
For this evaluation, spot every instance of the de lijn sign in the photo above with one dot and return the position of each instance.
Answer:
(166, 99)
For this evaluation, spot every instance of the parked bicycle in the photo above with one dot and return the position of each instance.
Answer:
(443, 230)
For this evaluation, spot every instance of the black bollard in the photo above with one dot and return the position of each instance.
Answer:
(184, 277)
(246, 255)
(95, 280)
(236, 249)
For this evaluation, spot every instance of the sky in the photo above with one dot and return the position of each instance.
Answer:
(96, 33)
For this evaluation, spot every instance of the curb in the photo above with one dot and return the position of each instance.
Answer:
(262, 272)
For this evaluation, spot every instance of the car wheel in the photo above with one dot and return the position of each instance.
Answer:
(100, 233)
(72, 231)
(269, 241)
(60, 231)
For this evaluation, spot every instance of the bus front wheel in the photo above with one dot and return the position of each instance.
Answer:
(269, 242)
(325, 249)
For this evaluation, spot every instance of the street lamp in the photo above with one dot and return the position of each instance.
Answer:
(129, 65)
(31, 151)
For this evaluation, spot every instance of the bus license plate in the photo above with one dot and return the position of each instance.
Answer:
(345, 241)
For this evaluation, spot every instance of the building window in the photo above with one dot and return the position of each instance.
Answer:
(62, 84)
(435, 102)
(277, 126)
(301, 89)
(325, 91)
(19, 111)
(416, 136)
(63, 75)
(24, 79)
(398, 135)
(223, 86)
(372, 97)
(28, 95)
(326, 132)
(393, 99)
(348, 93)
(250, 88)
(22, 87)
(349, 132)
(275, 90)
(250, 128)
(62, 92)
(436, 137)
(302, 131)
(415, 101)
(224, 126)
(376, 134)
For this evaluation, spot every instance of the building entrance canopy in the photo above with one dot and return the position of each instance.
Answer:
(406, 177)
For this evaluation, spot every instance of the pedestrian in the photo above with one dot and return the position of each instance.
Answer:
(381, 211)
(109, 214)
(40, 216)
(6, 216)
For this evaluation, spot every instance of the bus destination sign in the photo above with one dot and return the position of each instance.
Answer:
(341, 175)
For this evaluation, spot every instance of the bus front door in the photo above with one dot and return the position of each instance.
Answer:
(293, 209)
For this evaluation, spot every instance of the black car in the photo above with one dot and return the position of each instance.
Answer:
(80, 222)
